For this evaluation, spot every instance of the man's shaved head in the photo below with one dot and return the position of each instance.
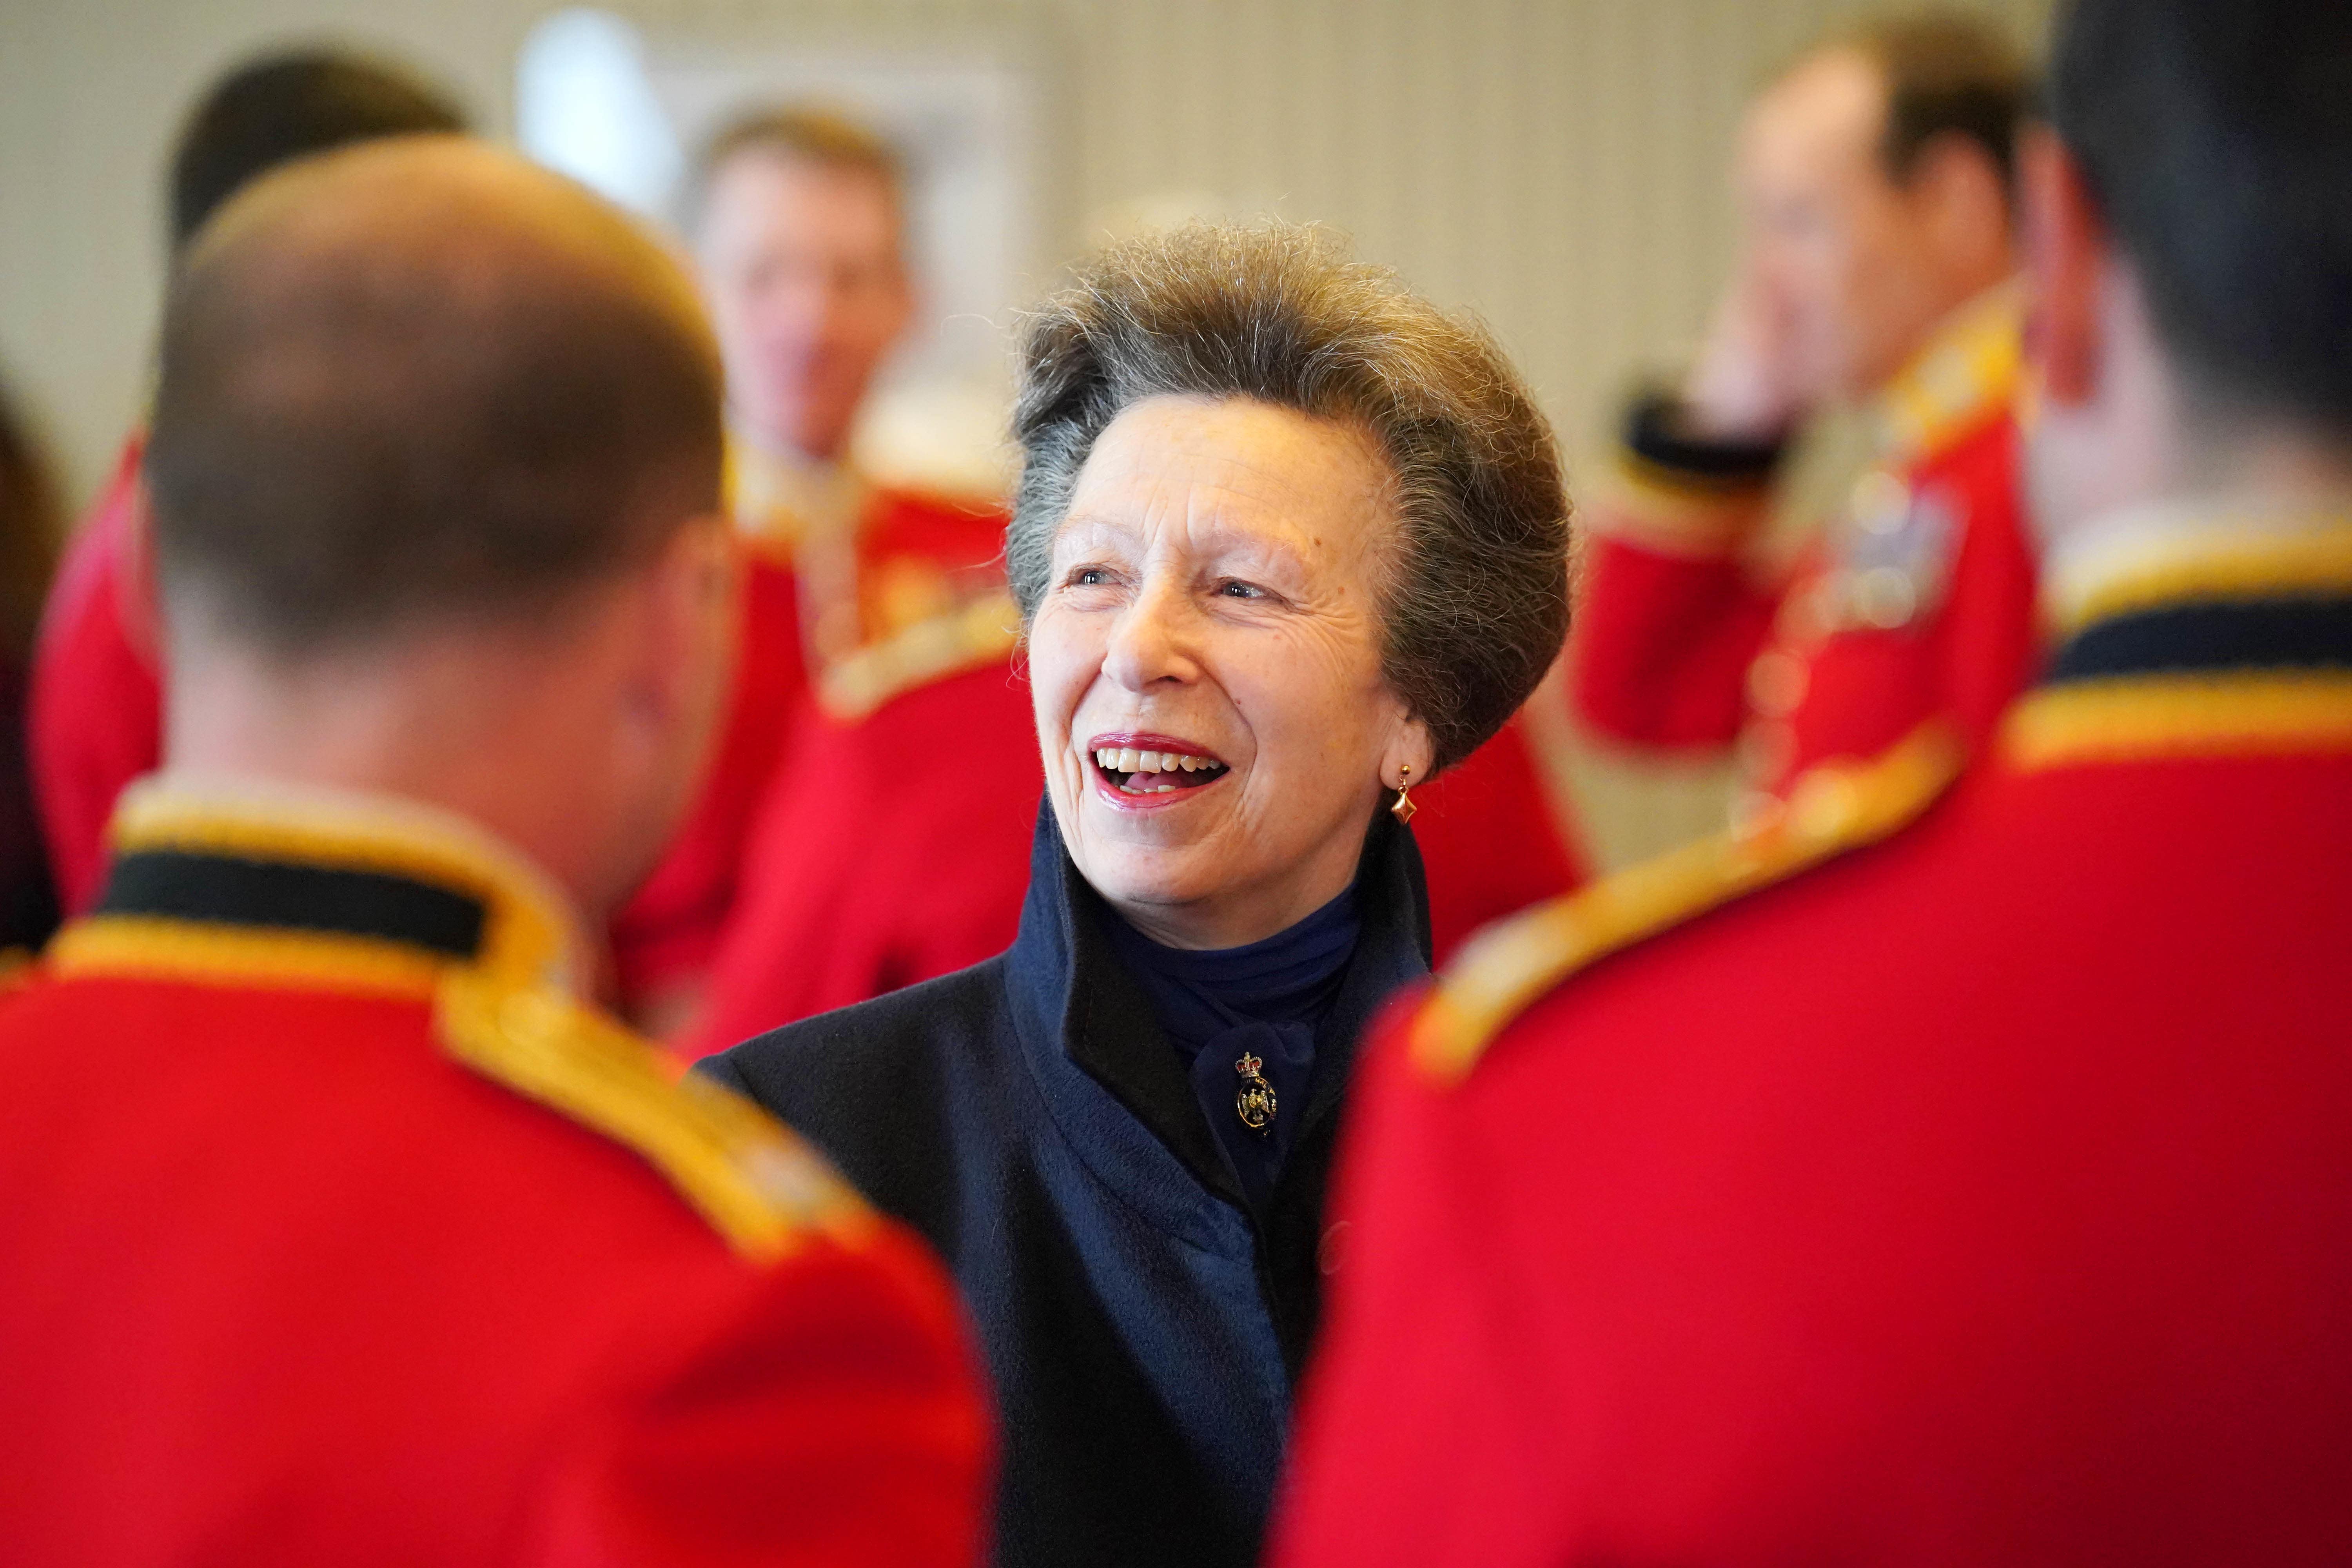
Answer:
(415, 380)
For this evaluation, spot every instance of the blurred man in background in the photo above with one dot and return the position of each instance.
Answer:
(335, 1225)
(96, 699)
(854, 592)
(1875, 180)
(1983, 1195)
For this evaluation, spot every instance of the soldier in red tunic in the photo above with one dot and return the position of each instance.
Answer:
(335, 1225)
(1875, 179)
(796, 219)
(96, 709)
(1944, 1173)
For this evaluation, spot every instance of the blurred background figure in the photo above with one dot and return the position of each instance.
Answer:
(97, 698)
(855, 593)
(1980, 1195)
(29, 543)
(340, 1225)
(1875, 180)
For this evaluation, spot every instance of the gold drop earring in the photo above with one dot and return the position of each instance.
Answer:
(1402, 808)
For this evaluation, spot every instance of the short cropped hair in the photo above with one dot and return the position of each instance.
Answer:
(355, 434)
(1474, 606)
(2218, 141)
(1947, 74)
(804, 132)
(286, 106)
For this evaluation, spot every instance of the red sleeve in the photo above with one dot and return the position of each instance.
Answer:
(875, 864)
(1662, 642)
(1491, 840)
(838, 1420)
(668, 934)
(96, 708)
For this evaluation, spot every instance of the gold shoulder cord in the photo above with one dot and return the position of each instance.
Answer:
(760, 1186)
(1833, 808)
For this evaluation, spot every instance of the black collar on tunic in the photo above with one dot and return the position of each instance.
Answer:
(1080, 991)
(291, 894)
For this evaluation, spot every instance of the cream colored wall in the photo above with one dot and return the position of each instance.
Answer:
(1556, 164)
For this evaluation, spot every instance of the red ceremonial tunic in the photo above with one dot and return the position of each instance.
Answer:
(896, 847)
(1918, 602)
(95, 720)
(1983, 1195)
(806, 604)
(333, 1229)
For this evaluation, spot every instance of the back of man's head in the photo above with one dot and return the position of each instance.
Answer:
(2217, 141)
(281, 107)
(416, 382)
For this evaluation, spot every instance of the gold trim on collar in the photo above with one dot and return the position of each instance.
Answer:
(2143, 717)
(1831, 809)
(507, 1014)
(526, 933)
(161, 949)
(2180, 566)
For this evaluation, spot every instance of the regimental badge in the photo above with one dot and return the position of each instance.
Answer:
(1255, 1103)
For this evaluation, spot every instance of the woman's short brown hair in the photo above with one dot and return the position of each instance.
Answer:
(1475, 604)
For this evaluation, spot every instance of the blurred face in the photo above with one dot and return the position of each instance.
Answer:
(808, 292)
(1849, 269)
(1206, 667)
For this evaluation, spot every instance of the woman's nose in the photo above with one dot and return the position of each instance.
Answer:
(1151, 641)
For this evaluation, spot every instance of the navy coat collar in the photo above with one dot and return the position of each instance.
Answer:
(1076, 1006)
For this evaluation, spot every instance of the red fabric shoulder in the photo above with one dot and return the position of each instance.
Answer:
(96, 710)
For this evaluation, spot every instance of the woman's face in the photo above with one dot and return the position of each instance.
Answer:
(1206, 666)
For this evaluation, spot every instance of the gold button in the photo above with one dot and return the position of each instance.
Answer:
(1776, 683)
(1880, 502)
(1823, 805)
(1885, 597)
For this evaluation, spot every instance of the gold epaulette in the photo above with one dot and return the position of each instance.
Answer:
(760, 1187)
(973, 635)
(1973, 367)
(1833, 808)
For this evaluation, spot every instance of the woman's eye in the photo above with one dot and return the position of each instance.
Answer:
(1089, 577)
(1234, 589)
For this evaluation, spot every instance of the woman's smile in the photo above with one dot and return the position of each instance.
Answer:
(1146, 772)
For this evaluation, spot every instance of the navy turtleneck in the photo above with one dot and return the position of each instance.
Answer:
(1246, 1017)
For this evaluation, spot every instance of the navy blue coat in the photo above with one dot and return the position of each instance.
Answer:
(1144, 1328)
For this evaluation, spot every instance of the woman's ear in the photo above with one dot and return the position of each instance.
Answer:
(1409, 748)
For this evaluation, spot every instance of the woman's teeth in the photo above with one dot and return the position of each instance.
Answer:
(1136, 764)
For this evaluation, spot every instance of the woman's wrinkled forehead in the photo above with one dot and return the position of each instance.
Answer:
(1232, 475)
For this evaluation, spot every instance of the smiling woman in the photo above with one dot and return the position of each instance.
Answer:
(1289, 541)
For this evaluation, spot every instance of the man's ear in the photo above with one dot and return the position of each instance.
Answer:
(691, 611)
(136, 604)
(2066, 260)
